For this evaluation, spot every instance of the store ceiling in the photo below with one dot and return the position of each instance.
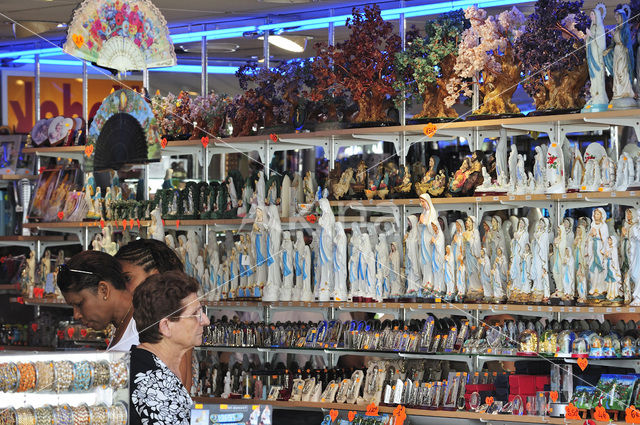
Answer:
(42, 16)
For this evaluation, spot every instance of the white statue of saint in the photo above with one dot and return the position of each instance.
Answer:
(497, 237)
(413, 267)
(274, 257)
(592, 177)
(557, 261)
(340, 292)
(227, 385)
(554, 169)
(288, 267)
(471, 252)
(297, 262)
(633, 273)
(449, 274)
(613, 278)
(620, 62)
(579, 262)
(428, 216)
(596, 43)
(622, 172)
(540, 262)
(437, 258)
(596, 240)
(461, 280)
(499, 276)
(325, 250)
(395, 275)
(108, 245)
(383, 289)
(501, 163)
(513, 166)
(368, 269)
(568, 275)
(199, 269)
(307, 292)
(516, 273)
(608, 173)
(522, 183)
(354, 261)
(577, 169)
(259, 244)
(484, 266)
(539, 171)
(456, 251)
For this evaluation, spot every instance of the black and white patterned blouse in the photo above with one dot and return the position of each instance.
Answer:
(157, 395)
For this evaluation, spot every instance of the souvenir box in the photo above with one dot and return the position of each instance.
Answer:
(615, 391)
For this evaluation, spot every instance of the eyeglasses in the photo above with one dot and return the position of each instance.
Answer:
(64, 268)
(200, 316)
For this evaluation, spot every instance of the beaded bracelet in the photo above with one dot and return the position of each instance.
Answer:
(26, 416)
(81, 415)
(98, 415)
(27, 380)
(63, 415)
(63, 376)
(118, 414)
(82, 372)
(8, 377)
(101, 373)
(44, 376)
(8, 416)
(119, 374)
(44, 415)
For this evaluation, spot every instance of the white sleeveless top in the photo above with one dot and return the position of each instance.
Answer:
(129, 338)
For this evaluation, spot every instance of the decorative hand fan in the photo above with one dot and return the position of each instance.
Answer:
(126, 35)
(123, 131)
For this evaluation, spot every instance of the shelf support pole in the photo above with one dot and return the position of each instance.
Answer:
(204, 77)
(36, 64)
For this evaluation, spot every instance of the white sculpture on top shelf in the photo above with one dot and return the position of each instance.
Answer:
(273, 258)
(502, 172)
(540, 290)
(513, 167)
(596, 244)
(325, 251)
(340, 292)
(596, 43)
(288, 267)
(619, 60)
(555, 169)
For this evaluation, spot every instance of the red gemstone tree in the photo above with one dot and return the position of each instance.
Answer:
(361, 66)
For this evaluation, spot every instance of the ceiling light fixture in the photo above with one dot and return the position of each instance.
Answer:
(295, 44)
(189, 69)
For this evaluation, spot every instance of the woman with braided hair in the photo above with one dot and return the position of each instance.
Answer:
(145, 257)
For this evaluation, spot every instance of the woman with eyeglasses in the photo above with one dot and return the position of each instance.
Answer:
(93, 284)
(170, 318)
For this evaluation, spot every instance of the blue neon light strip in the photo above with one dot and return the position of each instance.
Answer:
(302, 25)
(194, 69)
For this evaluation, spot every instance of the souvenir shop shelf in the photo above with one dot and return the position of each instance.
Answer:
(41, 302)
(480, 417)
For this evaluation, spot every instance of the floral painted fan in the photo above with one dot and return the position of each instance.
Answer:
(125, 35)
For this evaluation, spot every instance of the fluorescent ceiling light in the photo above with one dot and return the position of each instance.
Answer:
(294, 43)
(194, 69)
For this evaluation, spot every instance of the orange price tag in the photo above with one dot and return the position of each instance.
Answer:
(583, 363)
(88, 150)
(333, 413)
(351, 415)
(372, 410)
(177, 224)
(571, 412)
(601, 415)
(489, 400)
(553, 395)
(632, 415)
(430, 130)
(163, 142)
(399, 414)
(101, 223)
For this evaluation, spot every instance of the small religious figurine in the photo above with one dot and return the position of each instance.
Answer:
(499, 276)
(29, 275)
(404, 188)
(382, 268)
(288, 257)
(592, 176)
(516, 273)
(459, 178)
(596, 243)
(413, 268)
(484, 267)
(340, 292)
(297, 262)
(449, 274)
(619, 60)
(429, 178)
(461, 281)
(456, 251)
(596, 43)
(427, 217)
(497, 238)
(259, 244)
(554, 174)
(557, 261)
(568, 276)
(539, 171)
(633, 274)
(521, 185)
(437, 258)
(471, 252)
(368, 266)
(608, 173)
(156, 229)
(108, 245)
(513, 166)
(613, 278)
(273, 259)
(502, 172)
(577, 170)
(325, 251)
(309, 188)
(242, 267)
(622, 172)
(397, 284)
(580, 263)
(540, 291)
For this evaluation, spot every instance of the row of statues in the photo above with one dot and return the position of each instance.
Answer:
(518, 260)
